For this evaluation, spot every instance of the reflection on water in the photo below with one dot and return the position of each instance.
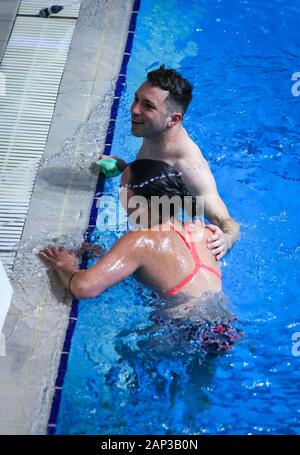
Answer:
(159, 381)
(138, 371)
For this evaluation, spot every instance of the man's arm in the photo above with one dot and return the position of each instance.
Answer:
(200, 182)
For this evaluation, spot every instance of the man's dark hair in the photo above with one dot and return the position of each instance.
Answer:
(150, 178)
(180, 90)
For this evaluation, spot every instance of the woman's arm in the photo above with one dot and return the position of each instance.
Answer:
(121, 261)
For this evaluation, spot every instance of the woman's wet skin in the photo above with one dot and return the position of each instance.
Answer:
(159, 255)
(167, 252)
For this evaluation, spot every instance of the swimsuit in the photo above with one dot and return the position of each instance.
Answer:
(198, 263)
(196, 336)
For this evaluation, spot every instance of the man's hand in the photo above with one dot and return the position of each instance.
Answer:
(219, 243)
(121, 163)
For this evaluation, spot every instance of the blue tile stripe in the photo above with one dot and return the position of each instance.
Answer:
(51, 428)
(70, 329)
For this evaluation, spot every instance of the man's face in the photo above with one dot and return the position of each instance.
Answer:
(149, 112)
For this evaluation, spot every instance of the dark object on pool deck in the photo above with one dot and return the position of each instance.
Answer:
(46, 12)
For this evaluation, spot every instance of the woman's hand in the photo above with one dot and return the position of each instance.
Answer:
(58, 257)
(219, 243)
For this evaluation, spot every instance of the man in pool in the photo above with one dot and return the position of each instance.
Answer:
(157, 116)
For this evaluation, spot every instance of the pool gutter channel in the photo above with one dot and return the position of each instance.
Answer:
(34, 58)
(39, 319)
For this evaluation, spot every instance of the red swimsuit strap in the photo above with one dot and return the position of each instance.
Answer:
(195, 253)
(198, 263)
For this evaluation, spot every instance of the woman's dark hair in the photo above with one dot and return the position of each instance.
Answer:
(150, 178)
(180, 90)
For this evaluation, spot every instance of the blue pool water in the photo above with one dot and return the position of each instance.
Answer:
(240, 56)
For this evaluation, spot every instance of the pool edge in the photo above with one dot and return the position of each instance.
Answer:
(120, 86)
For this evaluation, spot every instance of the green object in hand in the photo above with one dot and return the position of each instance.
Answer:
(109, 167)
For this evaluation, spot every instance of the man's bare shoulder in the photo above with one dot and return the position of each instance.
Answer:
(192, 159)
(187, 150)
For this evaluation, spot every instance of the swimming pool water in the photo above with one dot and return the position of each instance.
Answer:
(240, 56)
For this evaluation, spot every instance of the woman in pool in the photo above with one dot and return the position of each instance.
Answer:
(167, 254)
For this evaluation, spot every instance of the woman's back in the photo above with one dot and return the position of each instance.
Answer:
(178, 260)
